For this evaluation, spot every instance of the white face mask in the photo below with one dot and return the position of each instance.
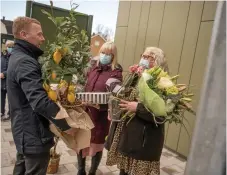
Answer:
(144, 63)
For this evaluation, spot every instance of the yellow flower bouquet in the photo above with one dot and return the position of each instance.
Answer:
(162, 97)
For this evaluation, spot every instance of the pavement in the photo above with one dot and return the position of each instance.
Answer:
(171, 163)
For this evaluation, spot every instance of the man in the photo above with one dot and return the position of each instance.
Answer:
(30, 107)
(4, 65)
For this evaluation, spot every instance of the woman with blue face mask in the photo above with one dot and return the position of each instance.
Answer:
(135, 145)
(106, 67)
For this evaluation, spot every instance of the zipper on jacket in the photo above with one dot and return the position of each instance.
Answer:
(144, 139)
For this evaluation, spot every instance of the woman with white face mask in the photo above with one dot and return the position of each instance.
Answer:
(136, 146)
(105, 68)
(153, 56)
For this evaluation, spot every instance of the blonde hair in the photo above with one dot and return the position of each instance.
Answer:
(22, 23)
(159, 56)
(9, 43)
(110, 48)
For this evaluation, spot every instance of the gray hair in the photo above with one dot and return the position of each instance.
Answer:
(159, 56)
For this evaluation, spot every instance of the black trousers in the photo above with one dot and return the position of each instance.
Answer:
(35, 164)
(3, 101)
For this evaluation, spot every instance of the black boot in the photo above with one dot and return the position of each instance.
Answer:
(95, 161)
(122, 172)
(81, 164)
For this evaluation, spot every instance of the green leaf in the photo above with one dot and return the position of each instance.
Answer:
(46, 13)
(59, 20)
(53, 20)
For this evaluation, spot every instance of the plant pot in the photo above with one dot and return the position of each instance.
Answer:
(53, 165)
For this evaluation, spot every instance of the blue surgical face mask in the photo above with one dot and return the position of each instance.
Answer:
(9, 49)
(104, 59)
(144, 63)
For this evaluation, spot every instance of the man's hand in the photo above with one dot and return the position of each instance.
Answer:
(128, 106)
(2, 76)
(72, 131)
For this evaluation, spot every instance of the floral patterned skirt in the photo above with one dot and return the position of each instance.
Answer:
(129, 165)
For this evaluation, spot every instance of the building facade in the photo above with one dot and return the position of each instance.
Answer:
(6, 32)
(96, 43)
(182, 29)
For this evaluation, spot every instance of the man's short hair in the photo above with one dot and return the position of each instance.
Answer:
(22, 23)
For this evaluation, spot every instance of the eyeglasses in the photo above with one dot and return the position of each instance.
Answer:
(149, 57)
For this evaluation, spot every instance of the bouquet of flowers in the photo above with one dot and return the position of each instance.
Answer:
(163, 97)
(157, 91)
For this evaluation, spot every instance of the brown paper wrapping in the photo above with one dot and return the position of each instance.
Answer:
(81, 123)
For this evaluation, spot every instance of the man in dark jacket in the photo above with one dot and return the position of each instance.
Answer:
(30, 107)
(4, 66)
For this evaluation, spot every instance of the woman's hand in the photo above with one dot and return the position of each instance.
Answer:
(128, 106)
(109, 118)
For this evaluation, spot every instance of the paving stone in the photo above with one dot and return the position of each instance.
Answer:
(7, 170)
(8, 130)
(163, 172)
(5, 144)
(13, 156)
(113, 168)
(116, 172)
(172, 170)
(72, 152)
(8, 138)
(5, 124)
(69, 173)
(110, 173)
(177, 168)
(67, 160)
(104, 169)
(98, 172)
(70, 167)
(103, 161)
(88, 163)
(182, 165)
(6, 160)
(62, 169)
(11, 143)
(169, 161)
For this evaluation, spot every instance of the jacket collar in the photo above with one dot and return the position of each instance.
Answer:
(28, 48)
(104, 67)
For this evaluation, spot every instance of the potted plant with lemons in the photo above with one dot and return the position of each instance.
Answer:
(64, 61)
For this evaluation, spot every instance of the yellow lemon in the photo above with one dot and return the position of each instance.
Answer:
(71, 97)
(53, 75)
(71, 88)
(65, 51)
(52, 95)
(57, 57)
